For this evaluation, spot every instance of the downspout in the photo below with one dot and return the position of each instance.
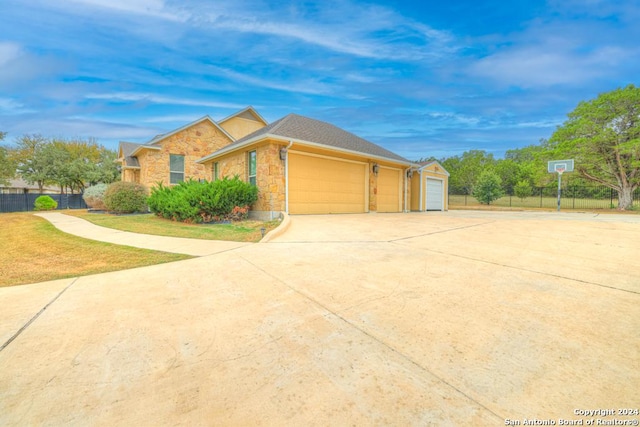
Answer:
(421, 192)
(406, 184)
(286, 178)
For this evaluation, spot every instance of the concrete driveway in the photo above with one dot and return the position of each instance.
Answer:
(457, 318)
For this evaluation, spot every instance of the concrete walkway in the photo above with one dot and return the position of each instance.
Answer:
(179, 245)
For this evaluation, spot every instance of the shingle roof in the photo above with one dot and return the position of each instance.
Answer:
(306, 129)
(127, 149)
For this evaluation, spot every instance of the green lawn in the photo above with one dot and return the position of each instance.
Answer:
(245, 231)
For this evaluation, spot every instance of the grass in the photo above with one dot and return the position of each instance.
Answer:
(538, 202)
(245, 231)
(33, 250)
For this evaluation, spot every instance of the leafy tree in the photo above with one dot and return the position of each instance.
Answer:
(466, 169)
(509, 172)
(522, 190)
(71, 164)
(7, 165)
(32, 164)
(603, 136)
(488, 187)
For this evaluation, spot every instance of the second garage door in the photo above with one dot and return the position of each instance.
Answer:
(389, 190)
(320, 185)
(435, 195)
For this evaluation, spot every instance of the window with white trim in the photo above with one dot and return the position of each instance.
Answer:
(251, 162)
(176, 168)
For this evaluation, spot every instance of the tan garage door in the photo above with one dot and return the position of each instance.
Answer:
(319, 185)
(389, 190)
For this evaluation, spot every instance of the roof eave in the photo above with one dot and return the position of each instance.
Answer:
(144, 147)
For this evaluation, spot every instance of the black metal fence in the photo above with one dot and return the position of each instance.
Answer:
(24, 202)
(572, 197)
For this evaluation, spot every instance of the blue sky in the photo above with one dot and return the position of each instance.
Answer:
(421, 78)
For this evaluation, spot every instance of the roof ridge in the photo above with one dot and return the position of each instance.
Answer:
(279, 122)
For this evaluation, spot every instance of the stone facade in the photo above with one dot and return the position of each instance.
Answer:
(193, 143)
(130, 175)
(270, 175)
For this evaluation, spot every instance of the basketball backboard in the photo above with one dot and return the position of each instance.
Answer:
(560, 166)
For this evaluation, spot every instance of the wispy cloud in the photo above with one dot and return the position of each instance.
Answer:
(158, 99)
(149, 8)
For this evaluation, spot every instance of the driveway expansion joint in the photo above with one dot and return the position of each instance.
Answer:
(33, 319)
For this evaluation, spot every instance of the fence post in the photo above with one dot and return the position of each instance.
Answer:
(611, 198)
(540, 196)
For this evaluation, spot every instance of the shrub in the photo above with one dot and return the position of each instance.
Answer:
(488, 187)
(193, 201)
(45, 203)
(94, 196)
(125, 197)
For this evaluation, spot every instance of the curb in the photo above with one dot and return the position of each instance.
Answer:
(286, 220)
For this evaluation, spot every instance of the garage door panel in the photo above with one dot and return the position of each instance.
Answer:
(324, 185)
(434, 196)
(389, 184)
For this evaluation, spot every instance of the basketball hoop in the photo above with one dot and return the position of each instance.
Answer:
(560, 170)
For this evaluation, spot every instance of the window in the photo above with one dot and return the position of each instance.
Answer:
(176, 168)
(252, 167)
(216, 172)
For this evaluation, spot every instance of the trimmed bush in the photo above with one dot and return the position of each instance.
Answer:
(125, 197)
(195, 202)
(45, 203)
(94, 196)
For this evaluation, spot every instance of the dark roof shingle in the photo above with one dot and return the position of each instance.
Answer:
(303, 128)
(127, 149)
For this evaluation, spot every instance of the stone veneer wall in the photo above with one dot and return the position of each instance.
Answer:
(270, 177)
(130, 175)
(193, 143)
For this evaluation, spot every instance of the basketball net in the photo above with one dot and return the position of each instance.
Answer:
(560, 170)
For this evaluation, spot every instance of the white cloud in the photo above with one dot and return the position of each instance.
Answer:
(8, 52)
(151, 8)
(536, 66)
(360, 30)
(156, 99)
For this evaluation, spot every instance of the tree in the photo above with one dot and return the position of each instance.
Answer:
(7, 165)
(466, 169)
(522, 190)
(31, 164)
(488, 187)
(603, 137)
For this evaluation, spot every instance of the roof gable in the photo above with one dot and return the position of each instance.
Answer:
(126, 151)
(159, 138)
(427, 165)
(248, 113)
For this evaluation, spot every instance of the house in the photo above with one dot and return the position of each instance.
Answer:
(306, 166)
(299, 164)
(171, 157)
(20, 186)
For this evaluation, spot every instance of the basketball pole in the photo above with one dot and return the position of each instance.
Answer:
(559, 188)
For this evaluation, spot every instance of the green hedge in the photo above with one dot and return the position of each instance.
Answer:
(196, 202)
